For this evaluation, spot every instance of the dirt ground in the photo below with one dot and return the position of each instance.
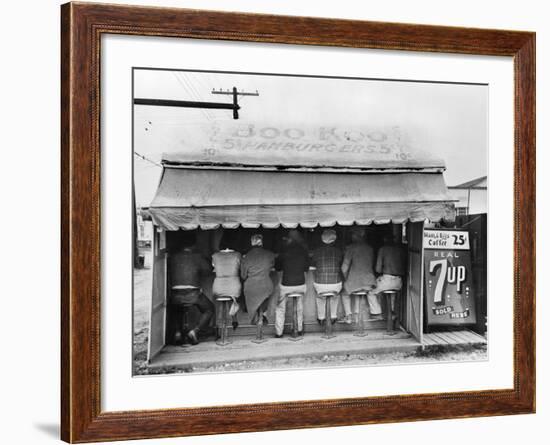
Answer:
(142, 292)
(142, 295)
(447, 354)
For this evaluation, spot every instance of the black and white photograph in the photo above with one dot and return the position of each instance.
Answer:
(275, 222)
(285, 221)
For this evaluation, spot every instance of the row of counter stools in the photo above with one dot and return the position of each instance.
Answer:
(225, 301)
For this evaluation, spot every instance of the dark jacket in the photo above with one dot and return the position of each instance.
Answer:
(188, 268)
(391, 260)
(293, 262)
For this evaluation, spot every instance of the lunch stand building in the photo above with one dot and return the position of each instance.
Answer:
(248, 177)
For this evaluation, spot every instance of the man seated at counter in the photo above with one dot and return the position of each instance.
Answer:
(390, 263)
(227, 266)
(358, 272)
(256, 266)
(187, 268)
(327, 261)
(294, 263)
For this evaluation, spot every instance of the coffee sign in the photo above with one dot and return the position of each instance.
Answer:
(446, 239)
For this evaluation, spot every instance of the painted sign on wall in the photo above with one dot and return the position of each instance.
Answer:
(253, 143)
(448, 287)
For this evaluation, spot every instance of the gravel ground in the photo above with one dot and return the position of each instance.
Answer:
(447, 354)
(142, 292)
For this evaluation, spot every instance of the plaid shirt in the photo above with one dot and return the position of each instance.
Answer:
(328, 261)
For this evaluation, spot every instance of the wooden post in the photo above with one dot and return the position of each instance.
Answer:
(235, 104)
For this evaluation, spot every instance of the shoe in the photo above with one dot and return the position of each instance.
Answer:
(278, 336)
(192, 336)
(235, 325)
(321, 322)
(346, 320)
(376, 318)
(333, 320)
(300, 333)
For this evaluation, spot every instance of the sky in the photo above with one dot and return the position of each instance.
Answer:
(449, 121)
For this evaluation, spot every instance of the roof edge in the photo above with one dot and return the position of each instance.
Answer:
(300, 168)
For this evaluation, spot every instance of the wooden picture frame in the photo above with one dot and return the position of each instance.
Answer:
(82, 26)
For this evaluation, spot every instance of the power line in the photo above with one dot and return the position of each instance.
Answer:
(188, 91)
(186, 84)
(147, 159)
(199, 104)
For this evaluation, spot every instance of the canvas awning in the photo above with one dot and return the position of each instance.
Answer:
(190, 198)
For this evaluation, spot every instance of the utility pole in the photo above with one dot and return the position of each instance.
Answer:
(197, 104)
(235, 95)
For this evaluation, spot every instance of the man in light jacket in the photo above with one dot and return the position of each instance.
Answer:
(358, 272)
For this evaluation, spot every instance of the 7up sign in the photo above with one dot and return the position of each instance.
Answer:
(448, 287)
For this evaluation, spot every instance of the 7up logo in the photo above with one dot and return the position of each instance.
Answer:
(447, 274)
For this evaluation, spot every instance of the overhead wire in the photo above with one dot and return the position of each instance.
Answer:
(197, 95)
(190, 92)
(145, 158)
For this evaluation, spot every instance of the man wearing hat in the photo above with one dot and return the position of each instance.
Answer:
(327, 261)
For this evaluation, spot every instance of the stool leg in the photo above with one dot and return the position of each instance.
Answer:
(294, 318)
(295, 336)
(328, 320)
(224, 321)
(397, 310)
(389, 316)
(185, 321)
(259, 328)
(361, 321)
(223, 324)
(184, 329)
(177, 325)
